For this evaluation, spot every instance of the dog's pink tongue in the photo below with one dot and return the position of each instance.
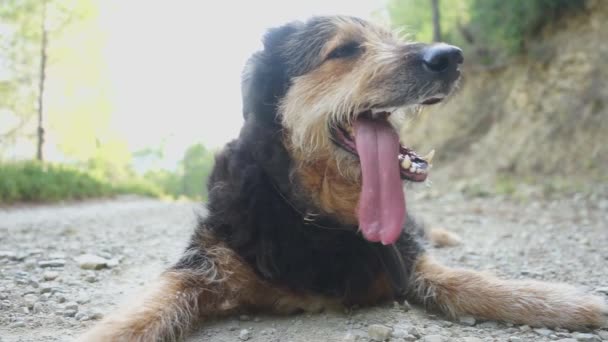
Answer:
(381, 208)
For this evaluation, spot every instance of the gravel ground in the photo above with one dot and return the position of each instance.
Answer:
(63, 266)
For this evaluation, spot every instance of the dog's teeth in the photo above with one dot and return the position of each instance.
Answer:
(429, 157)
(406, 163)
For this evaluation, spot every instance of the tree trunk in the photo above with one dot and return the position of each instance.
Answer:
(436, 25)
(41, 79)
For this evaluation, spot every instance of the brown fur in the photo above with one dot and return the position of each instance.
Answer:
(458, 292)
(332, 192)
(181, 299)
(440, 237)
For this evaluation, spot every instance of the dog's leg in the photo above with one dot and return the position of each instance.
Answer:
(208, 283)
(463, 292)
(440, 237)
(167, 311)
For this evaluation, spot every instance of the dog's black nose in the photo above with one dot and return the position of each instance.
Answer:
(442, 57)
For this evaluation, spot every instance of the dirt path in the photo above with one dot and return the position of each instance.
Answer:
(46, 296)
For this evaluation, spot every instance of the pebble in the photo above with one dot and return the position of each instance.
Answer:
(585, 337)
(543, 332)
(488, 325)
(51, 263)
(83, 299)
(46, 289)
(18, 324)
(8, 255)
(96, 315)
(603, 290)
(244, 334)
(30, 299)
(515, 339)
(350, 338)
(69, 313)
(244, 318)
(566, 340)
(379, 332)
(467, 320)
(71, 306)
(50, 275)
(603, 334)
(433, 338)
(37, 308)
(91, 262)
(471, 339)
(91, 278)
(81, 316)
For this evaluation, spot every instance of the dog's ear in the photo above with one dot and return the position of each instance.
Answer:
(265, 78)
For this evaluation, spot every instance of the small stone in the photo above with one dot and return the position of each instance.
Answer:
(399, 333)
(467, 320)
(8, 255)
(71, 306)
(584, 337)
(46, 289)
(244, 335)
(30, 299)
(543, 332)
(37, 308)
(433, 338)
(91, 262)
(603, 290)
(96, 315)
(50, 275)
(566, 340)
(603, 334)
(81, 316)
(379, 332)
(351, 338)
(18, 324)
(91, 278)
(51, 263)
(69, 313)
(525, 328)
(488, 325)
(83, 299)
(3, 296)
(515, 339)
(471, 339)
(244, 318)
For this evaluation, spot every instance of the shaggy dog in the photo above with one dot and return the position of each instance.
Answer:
(306, 207)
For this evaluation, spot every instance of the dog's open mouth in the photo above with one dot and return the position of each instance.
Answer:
(384, 164)
(412, 167)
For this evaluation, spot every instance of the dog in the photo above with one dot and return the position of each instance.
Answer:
(306, 208)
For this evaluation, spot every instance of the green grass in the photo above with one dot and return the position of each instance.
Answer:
(36, 182)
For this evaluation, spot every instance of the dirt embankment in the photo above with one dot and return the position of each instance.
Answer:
(540, 116)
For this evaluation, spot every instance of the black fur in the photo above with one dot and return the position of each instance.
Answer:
(258, 209)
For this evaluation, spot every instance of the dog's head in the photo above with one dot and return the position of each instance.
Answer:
(339, 89)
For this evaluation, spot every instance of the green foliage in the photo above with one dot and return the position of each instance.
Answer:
(507, 24)
(489, 27)
(415, 17)
(190, 180)
(36, 182)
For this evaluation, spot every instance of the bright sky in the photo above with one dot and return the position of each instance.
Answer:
(175, 64)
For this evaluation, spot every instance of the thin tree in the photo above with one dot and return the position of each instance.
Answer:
(41, 80)
(436, 17)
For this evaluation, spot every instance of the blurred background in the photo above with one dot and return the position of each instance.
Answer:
(105, 97)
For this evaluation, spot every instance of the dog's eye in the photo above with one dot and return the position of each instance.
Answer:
(344, 51)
